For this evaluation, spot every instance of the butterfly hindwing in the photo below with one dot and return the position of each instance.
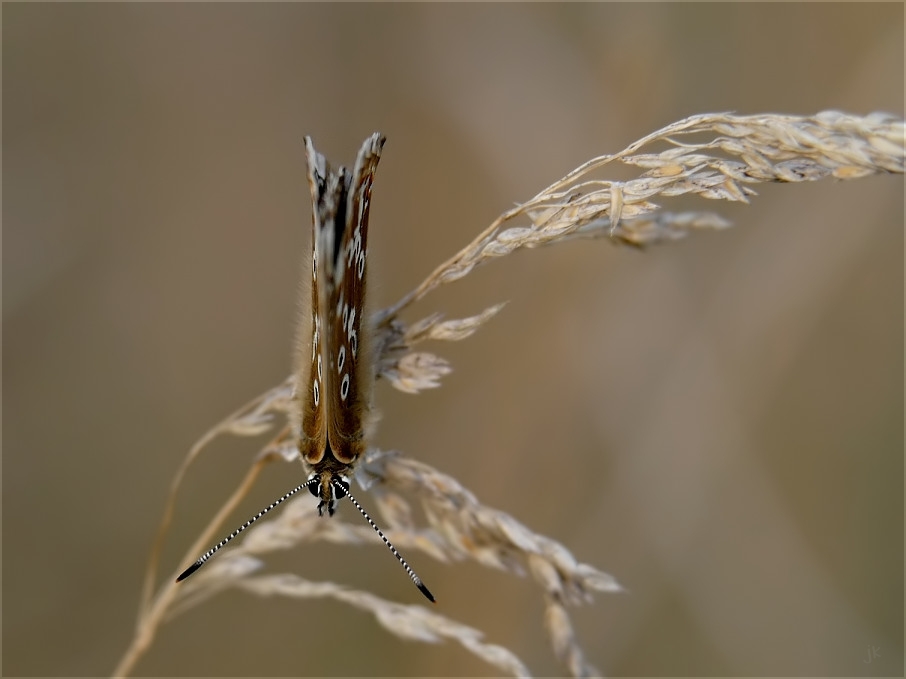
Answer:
(351, 377)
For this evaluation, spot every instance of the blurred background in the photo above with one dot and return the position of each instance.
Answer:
(717, 423)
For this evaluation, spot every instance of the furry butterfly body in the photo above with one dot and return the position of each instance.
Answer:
(334, 378)
(334, 374)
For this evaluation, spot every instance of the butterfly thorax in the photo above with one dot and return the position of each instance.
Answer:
(330, 481)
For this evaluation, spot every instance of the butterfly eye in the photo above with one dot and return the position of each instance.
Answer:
(313, 487)
(341, 488)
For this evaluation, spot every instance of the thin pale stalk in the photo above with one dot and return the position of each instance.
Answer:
(154, 616)
(154, 558)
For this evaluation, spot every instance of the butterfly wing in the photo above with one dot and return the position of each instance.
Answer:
(310, 389)
(351, 376)
(334, 374)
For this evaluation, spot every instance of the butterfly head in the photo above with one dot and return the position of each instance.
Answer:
(329, 487)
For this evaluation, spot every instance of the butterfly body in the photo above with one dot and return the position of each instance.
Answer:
(334, 371)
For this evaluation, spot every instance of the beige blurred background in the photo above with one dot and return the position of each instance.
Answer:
(717, 423)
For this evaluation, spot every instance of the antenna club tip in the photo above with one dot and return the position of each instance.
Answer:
(191, 569)
(424, 590)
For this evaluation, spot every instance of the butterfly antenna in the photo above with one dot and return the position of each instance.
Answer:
(415, 579)
(216, 548)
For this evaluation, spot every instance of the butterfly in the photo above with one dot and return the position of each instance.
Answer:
(334, 367)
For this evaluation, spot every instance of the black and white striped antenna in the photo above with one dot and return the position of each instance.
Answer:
(203, 559)
(340, 489)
